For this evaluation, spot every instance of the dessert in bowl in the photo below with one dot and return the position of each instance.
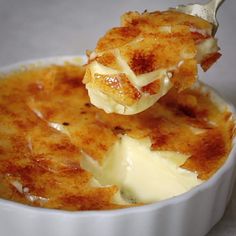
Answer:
(166, 170)
(46, 159)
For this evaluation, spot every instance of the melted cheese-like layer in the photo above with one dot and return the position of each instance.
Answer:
(206, 47)
(142, 175)
(109, 105)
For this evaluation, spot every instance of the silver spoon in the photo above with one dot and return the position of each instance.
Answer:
(205, 11)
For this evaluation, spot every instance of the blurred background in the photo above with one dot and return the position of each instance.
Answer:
(31, 29)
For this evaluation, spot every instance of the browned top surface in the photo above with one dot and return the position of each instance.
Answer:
(46, 162)
(157, 18)
(148, 42)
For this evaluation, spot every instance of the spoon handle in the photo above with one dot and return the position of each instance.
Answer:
(214, 4)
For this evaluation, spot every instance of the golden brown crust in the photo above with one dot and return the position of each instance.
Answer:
(209, 60)
(164, 18)
(153, 41)
(117, 87)
(159, 51)
(46, 161)
(152, 88)
(108, 59)
(116, 37)
(185, 75)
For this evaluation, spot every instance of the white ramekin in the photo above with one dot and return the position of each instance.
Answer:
(192, 213)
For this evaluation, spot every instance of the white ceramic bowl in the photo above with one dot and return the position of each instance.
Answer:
(193, 213)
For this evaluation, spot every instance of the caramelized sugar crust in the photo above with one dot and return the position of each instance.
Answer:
(148, 42)
(47, 124)
(158, 18)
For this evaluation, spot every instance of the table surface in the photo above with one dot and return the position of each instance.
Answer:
(32, 29)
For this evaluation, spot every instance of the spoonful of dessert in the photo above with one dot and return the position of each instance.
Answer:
(137, 63)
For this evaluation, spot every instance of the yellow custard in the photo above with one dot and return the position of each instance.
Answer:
(59, 151)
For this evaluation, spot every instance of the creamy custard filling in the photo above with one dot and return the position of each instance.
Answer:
(206, 47)
(142, 175)
(109, 105)
(126, 170)
(137, 81)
